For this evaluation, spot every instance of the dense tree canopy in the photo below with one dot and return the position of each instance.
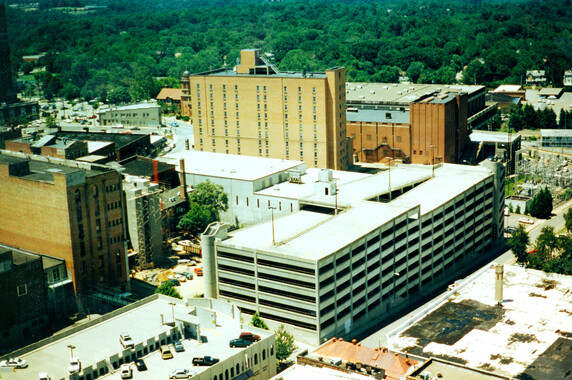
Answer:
(206, 202)
(541, 204)
(518, 243)
(129, 44)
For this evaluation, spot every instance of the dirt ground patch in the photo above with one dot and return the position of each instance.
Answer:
(452, 321)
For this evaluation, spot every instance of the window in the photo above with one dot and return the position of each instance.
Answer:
(56, 275)
(22, 290)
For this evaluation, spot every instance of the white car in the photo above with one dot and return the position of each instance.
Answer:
(181, 374)
(126, 371)
(126, 341)
(14, 363)
(526, 220)
(75, 365)
(44, 376)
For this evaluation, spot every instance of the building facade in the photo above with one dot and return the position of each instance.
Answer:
(418, 124)
(134, 115)
(66, 210)
(560, 138)
(23, 292)
(143, 206)
(327, 273)
(256, 110)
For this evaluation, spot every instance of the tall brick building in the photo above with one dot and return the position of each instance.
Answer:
(7, 93)
(257, 110)
(66, 210)
(413, 123)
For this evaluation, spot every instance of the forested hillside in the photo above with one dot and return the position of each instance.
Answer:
(126, 45)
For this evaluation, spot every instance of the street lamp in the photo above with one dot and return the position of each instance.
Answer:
(173, 310)
(272, 208)
(389, 175)
(433, 160)
(71, 347)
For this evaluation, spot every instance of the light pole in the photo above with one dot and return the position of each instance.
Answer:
(433, 160)
(389, 175)
(272, 208)
(173, 310)
(71, 347)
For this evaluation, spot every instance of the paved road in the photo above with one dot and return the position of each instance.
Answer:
(380, 337)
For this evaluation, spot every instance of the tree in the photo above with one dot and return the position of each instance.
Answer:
(258, 322)
(284, 344)
(51, 122)
(541, 205)
(547, 243)
(568, 220)
(168, 289)
(518, 243)
(205, 204)
(415, 70)
(118, 96)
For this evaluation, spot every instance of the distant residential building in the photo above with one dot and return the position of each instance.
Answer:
(68, 210)
(134, 115)
(171, 96)
(567, 78)
(23, 293)
(536, 77)
(143, 211)
(257, 110)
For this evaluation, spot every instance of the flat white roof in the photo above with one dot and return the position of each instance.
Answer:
(508, 88)
(302, 234)
(530, 308)
(98, 342)
(131, 107)
(556, 132)
(230, 166)
(486, 136)
(399, 92)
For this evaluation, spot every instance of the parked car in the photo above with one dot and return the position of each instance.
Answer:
(188, 275)
(44, 376)
(166, 352)
(199, 271)
(178, 346)
(181, 373)
(526, 220)
(205, 360)
(126, 341)
(75, 365)
(126, 371)
(249, 336)
(140, 364)
(510, 229)
(239, 343)
(14, 363)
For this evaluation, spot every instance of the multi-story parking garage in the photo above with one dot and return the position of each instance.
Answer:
(356, 250)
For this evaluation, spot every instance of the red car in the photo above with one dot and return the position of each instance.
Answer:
(249, 336)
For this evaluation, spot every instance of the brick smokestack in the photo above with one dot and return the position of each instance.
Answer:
(155, 171)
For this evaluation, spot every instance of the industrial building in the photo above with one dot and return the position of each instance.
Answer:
(242, 178)
(556, 138)
(361, 245)
(413, 123)
(257, 110)
(67, 210)
(204, 327)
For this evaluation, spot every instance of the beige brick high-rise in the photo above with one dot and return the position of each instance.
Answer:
(256, 110)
